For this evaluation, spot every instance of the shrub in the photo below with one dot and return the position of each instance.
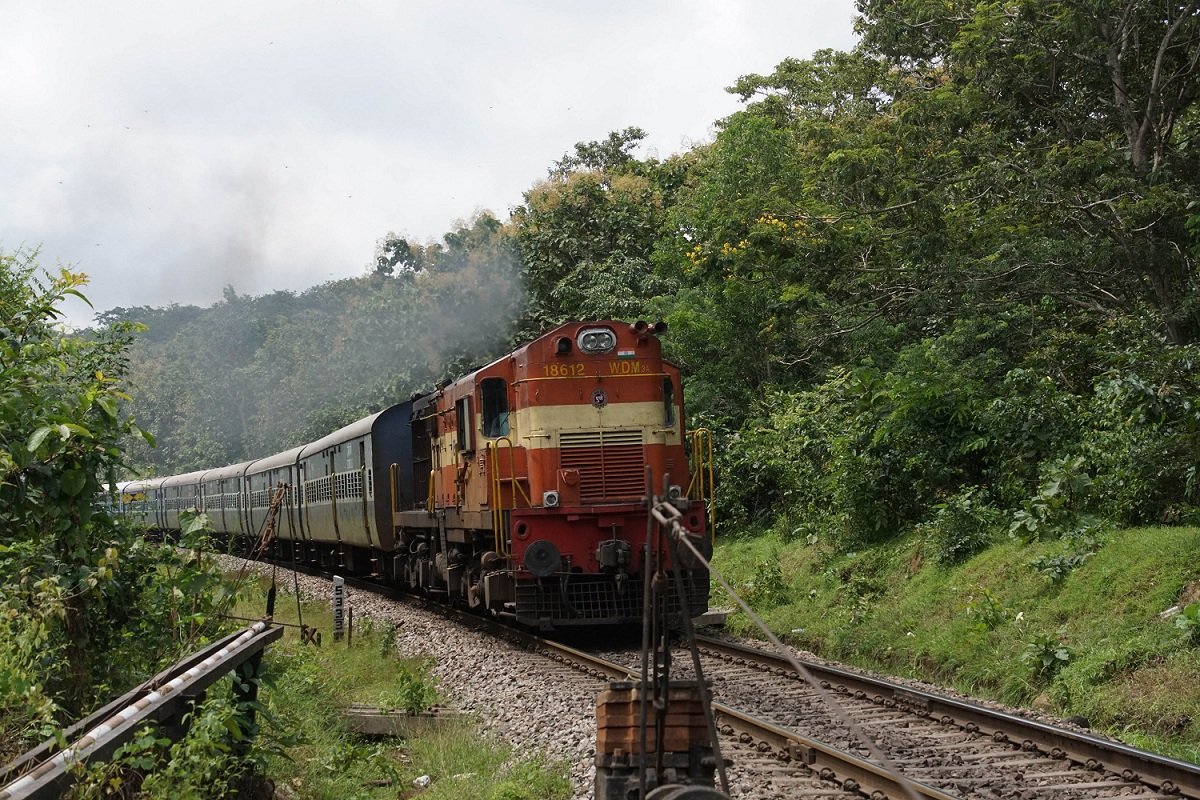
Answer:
(1188, 621)
(1047, 654)
(962, 526)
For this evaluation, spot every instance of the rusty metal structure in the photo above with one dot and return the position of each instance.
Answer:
(517, 489)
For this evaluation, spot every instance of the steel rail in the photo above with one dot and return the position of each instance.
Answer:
(849, 771)
(1166, 774)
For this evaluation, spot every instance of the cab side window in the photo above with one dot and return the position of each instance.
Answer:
(463, 427)
(494, 398)
(668, 403)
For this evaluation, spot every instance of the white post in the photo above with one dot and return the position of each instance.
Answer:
(339, 607)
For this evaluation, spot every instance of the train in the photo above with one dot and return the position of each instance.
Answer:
(521, 489)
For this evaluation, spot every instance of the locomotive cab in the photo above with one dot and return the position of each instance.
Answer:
(538, 478)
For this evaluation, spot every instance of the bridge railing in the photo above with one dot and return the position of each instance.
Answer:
(45, 772)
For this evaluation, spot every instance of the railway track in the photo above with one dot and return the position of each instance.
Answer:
(1096, 754)
(960, 748)
(783, 737)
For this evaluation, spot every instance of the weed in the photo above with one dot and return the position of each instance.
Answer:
(989, 613)
(387, 640)
(961, 527)
(1058, 567)
(1188, 621)
(1047, 654)
(766, 589)
(413, 692)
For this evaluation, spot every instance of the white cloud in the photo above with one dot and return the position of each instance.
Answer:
(169, 150)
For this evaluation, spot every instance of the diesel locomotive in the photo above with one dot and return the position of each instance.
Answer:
(521, 489)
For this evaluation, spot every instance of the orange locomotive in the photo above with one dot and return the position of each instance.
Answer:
(535, 471)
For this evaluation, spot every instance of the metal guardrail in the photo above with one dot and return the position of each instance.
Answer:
(45, 772)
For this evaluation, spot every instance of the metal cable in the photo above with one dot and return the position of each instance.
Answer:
(668, 516)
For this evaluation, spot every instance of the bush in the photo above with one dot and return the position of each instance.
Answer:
(87, 607)
(961, 527)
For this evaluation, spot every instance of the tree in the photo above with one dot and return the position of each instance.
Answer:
(589, 231)
(613, 154)
(1097, 101)
(85, 604)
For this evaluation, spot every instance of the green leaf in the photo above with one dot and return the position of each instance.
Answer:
(79, 294)
(73, 482)
(147, 435)
(39, 436)
(108, 405)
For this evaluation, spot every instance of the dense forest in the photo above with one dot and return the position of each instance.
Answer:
(947, 278)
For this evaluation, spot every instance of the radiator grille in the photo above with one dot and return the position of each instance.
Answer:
(611, 464)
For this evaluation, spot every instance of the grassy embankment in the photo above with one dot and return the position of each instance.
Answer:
(1088, 641)
(316, 758)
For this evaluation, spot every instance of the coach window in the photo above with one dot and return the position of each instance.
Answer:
(668, 403)
(494, 394)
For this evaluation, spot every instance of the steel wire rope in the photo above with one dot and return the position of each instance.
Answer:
(668, 515)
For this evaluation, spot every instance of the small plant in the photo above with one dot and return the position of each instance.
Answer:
(766, 589)
(1047, 654)
(1053, 511)
(387, 640)
(1058, 567)
(989, 612)
(413, 691)
(1188, 621)
(962, 526)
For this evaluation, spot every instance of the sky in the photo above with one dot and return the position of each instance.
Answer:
(169, 150)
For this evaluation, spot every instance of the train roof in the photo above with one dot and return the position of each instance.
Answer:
(286, 458)
(141, 484)
(232, 471)
(351, 431)
(184, 479)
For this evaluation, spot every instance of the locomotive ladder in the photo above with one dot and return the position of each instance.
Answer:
(499, 529)
(701, 486)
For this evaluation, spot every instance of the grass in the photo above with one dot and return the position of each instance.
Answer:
(314, 758)
(982, 627)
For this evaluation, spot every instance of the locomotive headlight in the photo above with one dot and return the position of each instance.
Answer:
(596, 340)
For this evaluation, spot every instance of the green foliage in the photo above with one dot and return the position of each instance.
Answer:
(210, 761)
(961, 526)
(283, 369)
(310, 753)
(413, 691)
(1046, 654)
(87, 607)
(586, 235)
(767, 588)
(1053, 510)
(966, 625)
(989, 612)
(1058, 567)
(1188, 621)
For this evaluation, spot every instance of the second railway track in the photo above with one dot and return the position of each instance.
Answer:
(961, 748)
